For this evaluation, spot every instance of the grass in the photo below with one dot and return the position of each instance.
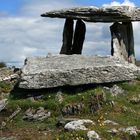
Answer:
(6, 87)
(123, 112)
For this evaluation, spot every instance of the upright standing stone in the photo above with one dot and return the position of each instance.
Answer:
(122, 43)
(130, 36)
(79, 37)
(67, 37)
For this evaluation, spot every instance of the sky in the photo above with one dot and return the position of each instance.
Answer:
(24, 33)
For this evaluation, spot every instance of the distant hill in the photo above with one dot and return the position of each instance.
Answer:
(138, 62)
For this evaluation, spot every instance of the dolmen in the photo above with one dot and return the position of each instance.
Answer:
(70, 67)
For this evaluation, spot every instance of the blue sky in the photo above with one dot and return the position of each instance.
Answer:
(12, 7)
(23, 33)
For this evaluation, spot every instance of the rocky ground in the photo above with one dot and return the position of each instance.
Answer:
(110, 111)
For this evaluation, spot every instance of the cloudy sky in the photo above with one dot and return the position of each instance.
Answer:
(24, 33)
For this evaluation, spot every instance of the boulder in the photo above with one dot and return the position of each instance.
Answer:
(95, 14)
(72, 70)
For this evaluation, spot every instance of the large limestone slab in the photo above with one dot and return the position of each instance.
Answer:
(63, 70)
(95, 14)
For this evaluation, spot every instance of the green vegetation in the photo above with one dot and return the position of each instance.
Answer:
(2, 65)
(6, 87)
(115, 108)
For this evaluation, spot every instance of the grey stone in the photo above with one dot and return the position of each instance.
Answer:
(7, 74)
(72, 70)
(122, 44)
(116, 90)
(3, 104)
(113, 131)
(78, 125)
(72, 109)
(95, 14)
(92, 135)
(59, 97)
(36, 115)
(132, 130)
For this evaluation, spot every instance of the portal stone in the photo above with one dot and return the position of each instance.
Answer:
(67, 37)
(122, 43)
(79, 37)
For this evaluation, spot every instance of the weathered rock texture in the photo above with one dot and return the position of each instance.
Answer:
(67, 37)
(8, 74)
(79, 37)
(95, 14)
(63, 70)
(122, 41)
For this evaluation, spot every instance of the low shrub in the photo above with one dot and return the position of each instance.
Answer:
(2, 65)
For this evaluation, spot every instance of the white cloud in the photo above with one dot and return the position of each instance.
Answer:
(28, 34)
(125, 3)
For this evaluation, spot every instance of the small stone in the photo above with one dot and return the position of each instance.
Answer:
(116, 90)
(92, 135)
(135, 100)
(78, 125)
(36, 115)
(3, 104)
(113, 131)
(110, 122)
(59, 97)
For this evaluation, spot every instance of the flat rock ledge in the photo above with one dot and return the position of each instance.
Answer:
(72, 70)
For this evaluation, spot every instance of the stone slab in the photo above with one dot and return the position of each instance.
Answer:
(72, 70)
(95, 14)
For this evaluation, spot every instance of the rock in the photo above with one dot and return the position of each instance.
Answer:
(79, 37)
(72, 70)
(3, 104)
(72, 109)
(135, 100)
(8, 74)
(95, 14)
(78, 125)
(110, 122)
(67, 37)
(36, 115)
(132, 130)
(62, 121)
(116, 90)
(92, 135)
(122, 43)
(59, 97)
(113, 131)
